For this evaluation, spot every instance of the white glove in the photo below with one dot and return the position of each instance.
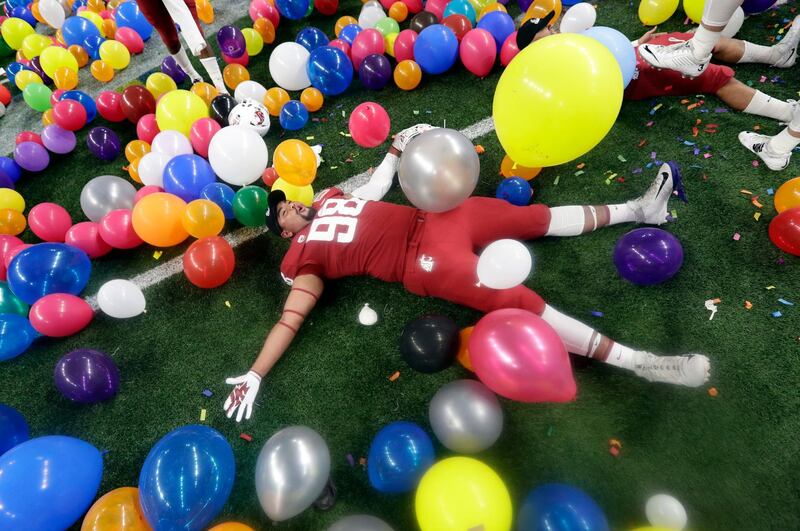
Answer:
(243, 395)
(402, 138)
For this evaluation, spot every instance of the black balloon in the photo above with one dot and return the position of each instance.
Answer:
(422, 20)
(221, 107)
(429, 344)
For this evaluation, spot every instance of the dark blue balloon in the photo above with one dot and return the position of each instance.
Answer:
(103, 143)
(79, 4)
(16, 3)
(76, 29)
(293, 9)
(349, 33)
(515, 190)
(222, 195)
(187, 175)
(48, 483)
(375, 71)
(13, 69)
(87, 376)
(399, 456)
(558, 507)
(128, 15)
(92, 46)
(436, 49)
(13, 428)
(186, 479)
(84, 99)
(47, 268)
(36, 66)
(329, 70)
(311, 38)
(25, 14)
(294, 115)
(499, 24)
(5, 181)
(16, 335)
(10, 169)
(648, 256)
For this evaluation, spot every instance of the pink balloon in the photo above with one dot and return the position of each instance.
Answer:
(7, 243)
(436, 7)
(130, 39)
(49, 221)
(414, 6)
(366, 43)
(519, 356)
(478, 51)
(263, 9)
(200, 135)
(369, 124)
(340, 44)
(109, 106)
(147, 190)
(11, 253)
(509, 49)
(60, 315)
(387, 4)
(244, 60)
(404, 45)
(147, 128)
(86, 237)
(55, 97)
(116, 229)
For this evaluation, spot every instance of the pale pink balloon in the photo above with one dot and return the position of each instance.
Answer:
(201, 133)
(86, 237)
(49, 221)
(60, 315)
(478, 51)
(7, 244)
(130, 39)
(147, 190)
(404, 45)
(436, 7)
(519, 356)
(116, 229)
(509, 49)
(366, 43)
(341, 45)
(147, 128)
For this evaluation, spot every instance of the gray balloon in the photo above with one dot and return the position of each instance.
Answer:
(103, 194)
(292, 469)
(438, 170)
(360, 522)
(466, 416)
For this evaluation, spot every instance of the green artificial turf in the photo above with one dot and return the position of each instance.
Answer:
(731, 459)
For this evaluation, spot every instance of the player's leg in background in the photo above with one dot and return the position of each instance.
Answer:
(752, 101)
(775, 151)
(781, 55)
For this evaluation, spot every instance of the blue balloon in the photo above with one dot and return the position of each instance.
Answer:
(399, 456)
(187, 175)
(222, 195)
(569, 3)
(25, 14)
(13, 69)
(92, 46)
(48, 483)
(515, 190)
(16, 335)
(128, 15)
(186, 479)
(311, 38)
(558, 507)
(329, 70)
(294, 115)
(349, 33)
(79, 4)
(10, 169)
(76, 29)
(436, 49)
(619, 45)
(293, 9)
(47, 268)
(84, 99)
(499, 24)
(13, 428)
(461, 7)
(16, 3)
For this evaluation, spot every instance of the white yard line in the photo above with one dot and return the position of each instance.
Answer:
(174, 266)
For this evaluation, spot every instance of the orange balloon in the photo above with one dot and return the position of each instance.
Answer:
(266, 29)
(133, 170)
(275, 99)
(463, 348)
(36, 13)
(788, 195)
(65, 78)
(295, 162)
(118, 510)
(136, 149)
(20, 57)
(157, 219)
(205, 91)
(102, 71)
(312, 99)
(47, 117)
(492, 7)
(233, 74)
(203, 218)
(509, 168)
(79, 54)
(60, 37)
(95, 5)
(109, 26)
(231, 526)
(398, 11)
(11, 222)
(407, 74)
(540, 8)
(205, 11)
(341, 23)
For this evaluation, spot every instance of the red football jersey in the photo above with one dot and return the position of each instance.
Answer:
(350, 237)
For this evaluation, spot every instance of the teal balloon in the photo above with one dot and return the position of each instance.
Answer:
(10, 303)
(16, 336)
(250, 206)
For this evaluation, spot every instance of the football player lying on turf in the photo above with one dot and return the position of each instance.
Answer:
(434, 255)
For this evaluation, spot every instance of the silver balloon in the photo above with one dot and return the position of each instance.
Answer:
(360, 522)
(439, 169)
(103, 194)
(292, 470)
(466, 416)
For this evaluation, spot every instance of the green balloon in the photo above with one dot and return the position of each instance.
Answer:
(387, 26)
(37, 96)
(9, 303)
(250, 206)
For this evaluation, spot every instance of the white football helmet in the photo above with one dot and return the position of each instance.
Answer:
(252, 114)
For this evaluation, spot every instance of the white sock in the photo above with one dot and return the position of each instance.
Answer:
(783, 142)
(621, 214)
(183, 61)
(717, 13)
(576, 220)
(756, 53)
(703, 43)
(211, 66)
(764, 105)
(380, 181)
(583, 340)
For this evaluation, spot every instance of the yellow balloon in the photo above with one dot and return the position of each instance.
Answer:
(115, 54)
(254, 41)
(14, 31)
(653, 12)
(34, 44)
(178, 110)
(301, 194)
(388, 41)
(694, 9)
(118, 510)
(203, 218)
(53, 57)
(12, 199)
(94, 18)
(158, 83)
(461, 493)
(25, 78)
(556, 100)
(231, 526)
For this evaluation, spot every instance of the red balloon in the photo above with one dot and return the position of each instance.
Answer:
(144, 191)
(784, 231)
(269, 176)
(459, 24)
(7, 243)
(147, 128)
(28, 136)
(116, 229)
(201, 133)
(414, 6)
(60, 315)
(509, 50)
(109, 105)
(340, 44)
(244, 60)
(478, 52)
(136, 102)
(86, 237)
(369, 124)
(209, 262)
(366, 43)
(5, 95)
(69, 115)
(326, 7)
(55, 97)
(130, 39)
(404, 45)
(49, 221)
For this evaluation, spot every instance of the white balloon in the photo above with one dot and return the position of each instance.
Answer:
(504, 264)
(578, 18)
(367, 316)
(121, 299)
(371, 13)
(238, 155)
(287, 66)
(734, 24)
(252, 114)
(151, 168)
(250, 89)
(172, 144)
(52, 12)
(663, 510)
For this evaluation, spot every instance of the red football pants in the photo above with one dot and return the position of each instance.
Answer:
(156, 13)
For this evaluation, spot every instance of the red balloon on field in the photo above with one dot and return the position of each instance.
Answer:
(269, 176)
(136, 102)
(369, 124)
(209, 262)
(326, 7)
(509, 50)
(60, 315)
(784, 231)
(109, 105)
(459, 24)
(49, 221)
(69, 115)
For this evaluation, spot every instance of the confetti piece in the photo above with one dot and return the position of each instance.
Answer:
(746, 192)
(579, 172)
(770, 287)
(757, 216)
(756, 202)
(737, 236)
(394, 376)
(770, 191)
(157, 254)
(614, 451)
(415, 112)
(202, 415)
(555, 182)
(309, 138)
(762, 79)
(776, 313)
(362, 461)
(642, 142)
(207, 393)
(550, 431)
(580, 166)
(228, 304)
(479, 149)
(246, 437)
(712, 392)
(674, 214)
(707, 155)
(785, 302)
(657, 107)
(748, 305)
(621, 158)
(350, 460)
(597, 313)
(614, 442)
(649, 124)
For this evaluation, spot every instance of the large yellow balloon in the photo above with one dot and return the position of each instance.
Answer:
(788, 195)
(159, 83)
(653, 12)
(34, 44)
(461, 493)
(694, 9)
(231, 526)
(158, 219)
(12, 199)
(540, 8)
(115, 54)
(118, 510)
(54, 57)
(301, 194)
(178, 110)
(556, 100)
(295, 162)
(14, 31)
(203, 218)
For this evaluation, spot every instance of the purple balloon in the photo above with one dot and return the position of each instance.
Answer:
(103, 143)
(171, 67)
(31, 156)
(751, 7)
(36, 66)
(375, 71)
(648, 256)
(524, 5)
(58, 140)
(231, 41)
(87, 376)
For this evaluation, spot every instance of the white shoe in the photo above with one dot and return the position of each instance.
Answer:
(787, 48)
(759, 144)
(679, 57)
(692, 370)
(402, 138)
(651, 207)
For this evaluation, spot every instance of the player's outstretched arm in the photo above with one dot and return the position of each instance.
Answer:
(305, 292)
